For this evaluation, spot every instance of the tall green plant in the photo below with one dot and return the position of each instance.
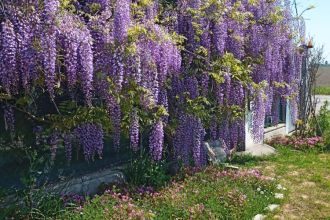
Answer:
(143, 171)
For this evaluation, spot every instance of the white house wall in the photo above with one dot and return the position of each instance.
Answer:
(289, 123)
(280, 129)
(249, 141)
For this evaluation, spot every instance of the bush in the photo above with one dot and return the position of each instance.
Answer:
(322, 124)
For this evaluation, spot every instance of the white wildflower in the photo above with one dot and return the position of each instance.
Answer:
(272, 207)
(279, 196)
(259, 217)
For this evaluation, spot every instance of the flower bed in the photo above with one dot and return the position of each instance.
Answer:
(298, 143)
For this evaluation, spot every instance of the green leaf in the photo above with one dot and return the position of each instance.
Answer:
(23, 101)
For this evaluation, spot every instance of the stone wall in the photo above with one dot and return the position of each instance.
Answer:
(89, 184)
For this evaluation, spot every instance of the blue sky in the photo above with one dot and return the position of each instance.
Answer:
(318, 22)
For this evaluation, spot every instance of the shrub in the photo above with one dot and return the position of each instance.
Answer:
(322, 121)
(321, 124)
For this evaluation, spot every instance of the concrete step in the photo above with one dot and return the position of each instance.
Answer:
(259, 150)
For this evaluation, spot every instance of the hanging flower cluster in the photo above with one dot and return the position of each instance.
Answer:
(193, 69)
(90, 137)
(34, 41)
(253, 36)
(9, 118)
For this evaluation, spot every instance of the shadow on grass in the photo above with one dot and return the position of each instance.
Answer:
(247, 159)
(282, 153)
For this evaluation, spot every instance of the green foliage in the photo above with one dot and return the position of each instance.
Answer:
(168, 2)
(236, 112)
(206, 110)
(239, 70)
(72, 115)
(199, 107)
(4, 96)
(94, 7)
(135, 31)
(321, 124)
(45, 206)
(205, 107)
(322, 90)
(68, 5)
(132, 98)
(143, 171)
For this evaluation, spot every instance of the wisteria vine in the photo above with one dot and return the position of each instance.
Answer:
(180, 75)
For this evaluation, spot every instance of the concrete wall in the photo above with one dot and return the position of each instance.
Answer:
(289, 123)
(275, 131)
(249, 142)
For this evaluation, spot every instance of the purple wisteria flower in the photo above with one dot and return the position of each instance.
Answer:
(156, 141)
(8, 64)
(9, 118)
(90, 137)
(122, 20)
(134, 131)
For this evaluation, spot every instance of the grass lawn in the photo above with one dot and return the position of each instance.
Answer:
(306, 175)
(210, 194)
(217, 194)
(322, 90)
